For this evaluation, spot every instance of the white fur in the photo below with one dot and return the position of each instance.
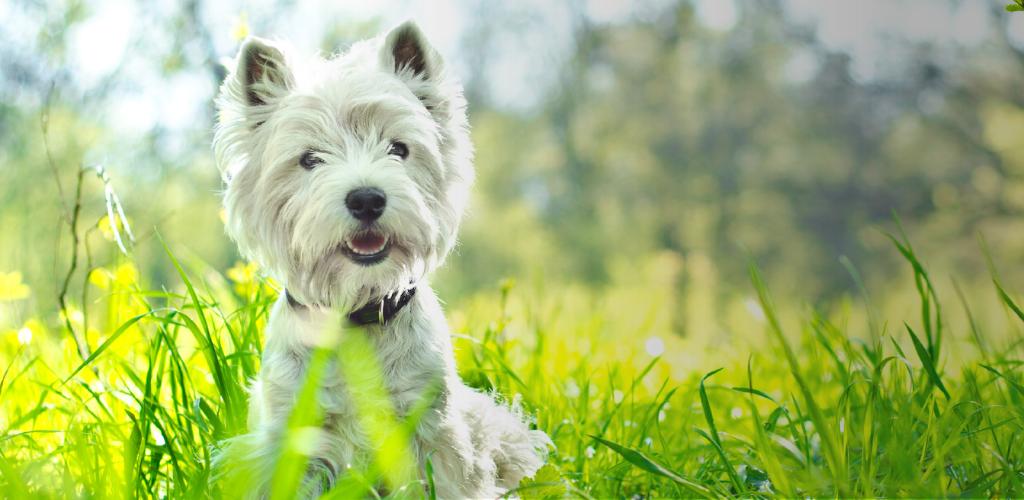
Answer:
(273, 107)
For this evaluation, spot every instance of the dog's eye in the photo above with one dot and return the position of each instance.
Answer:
(309, 160)
(398, 149)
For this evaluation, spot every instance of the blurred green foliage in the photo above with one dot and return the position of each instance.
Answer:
(659, 141)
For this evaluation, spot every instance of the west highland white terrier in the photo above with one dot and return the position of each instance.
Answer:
(346, 179)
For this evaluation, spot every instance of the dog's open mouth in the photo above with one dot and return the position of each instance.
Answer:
(367, 247)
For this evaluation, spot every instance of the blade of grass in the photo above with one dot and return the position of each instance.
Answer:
(975, 332)
(928, 362)
(110, 340)
(306, 414)
(769, 459)
(836, 464)
(925, 290)
(642, 461)
(715, 439)
(1003, 296)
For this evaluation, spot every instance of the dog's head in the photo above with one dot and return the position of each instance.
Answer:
(346, 177)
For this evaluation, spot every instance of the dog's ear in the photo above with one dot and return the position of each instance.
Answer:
(259, 77)
(261, 74)
(407, 53)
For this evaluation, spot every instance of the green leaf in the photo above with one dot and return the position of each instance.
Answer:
(103, 347)
(13, 481)
(644, 462)
(706, 404)
(829, 440)
(1012, 383)
(927, 361)
(428, 470)
(1006, 297)
(755, 392)
(713, 437)
(546, 483)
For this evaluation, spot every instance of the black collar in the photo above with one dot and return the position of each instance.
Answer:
(377, 312)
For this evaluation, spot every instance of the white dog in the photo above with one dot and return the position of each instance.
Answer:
(346, 181)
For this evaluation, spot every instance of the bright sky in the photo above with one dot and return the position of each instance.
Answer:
(522, 58)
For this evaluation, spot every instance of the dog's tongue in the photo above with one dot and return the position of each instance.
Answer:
(368, 243)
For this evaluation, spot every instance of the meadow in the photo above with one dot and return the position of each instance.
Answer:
(806, 409)
(680, 255)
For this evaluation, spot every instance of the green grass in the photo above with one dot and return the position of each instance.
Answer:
(810, 410)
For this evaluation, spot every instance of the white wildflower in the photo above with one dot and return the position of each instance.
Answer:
(24, 336)
(572, 390)
(654, 346)
(754, 308)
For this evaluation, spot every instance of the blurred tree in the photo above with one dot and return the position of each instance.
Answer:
(671, 135)
(658, 134)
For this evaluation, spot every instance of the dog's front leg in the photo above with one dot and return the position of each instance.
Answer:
(332, 450)
(445, 439)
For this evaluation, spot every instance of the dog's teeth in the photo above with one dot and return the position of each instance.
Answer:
(358, 250)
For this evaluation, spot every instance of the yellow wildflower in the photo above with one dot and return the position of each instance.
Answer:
(100, 278)
(245, 275)
(122, 276)
(11, 287)
(126, 274)
(241, 29)
(110, 232)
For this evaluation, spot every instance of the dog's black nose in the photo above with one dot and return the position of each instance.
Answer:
(366, 204)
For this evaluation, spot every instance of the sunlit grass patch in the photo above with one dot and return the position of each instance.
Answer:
(804, 408)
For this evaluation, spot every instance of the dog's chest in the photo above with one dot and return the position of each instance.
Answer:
(385, 370)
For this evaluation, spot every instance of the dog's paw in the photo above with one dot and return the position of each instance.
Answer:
(522, 456)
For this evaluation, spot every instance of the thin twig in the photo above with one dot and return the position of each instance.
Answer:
(69, 216)
(80, 342)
